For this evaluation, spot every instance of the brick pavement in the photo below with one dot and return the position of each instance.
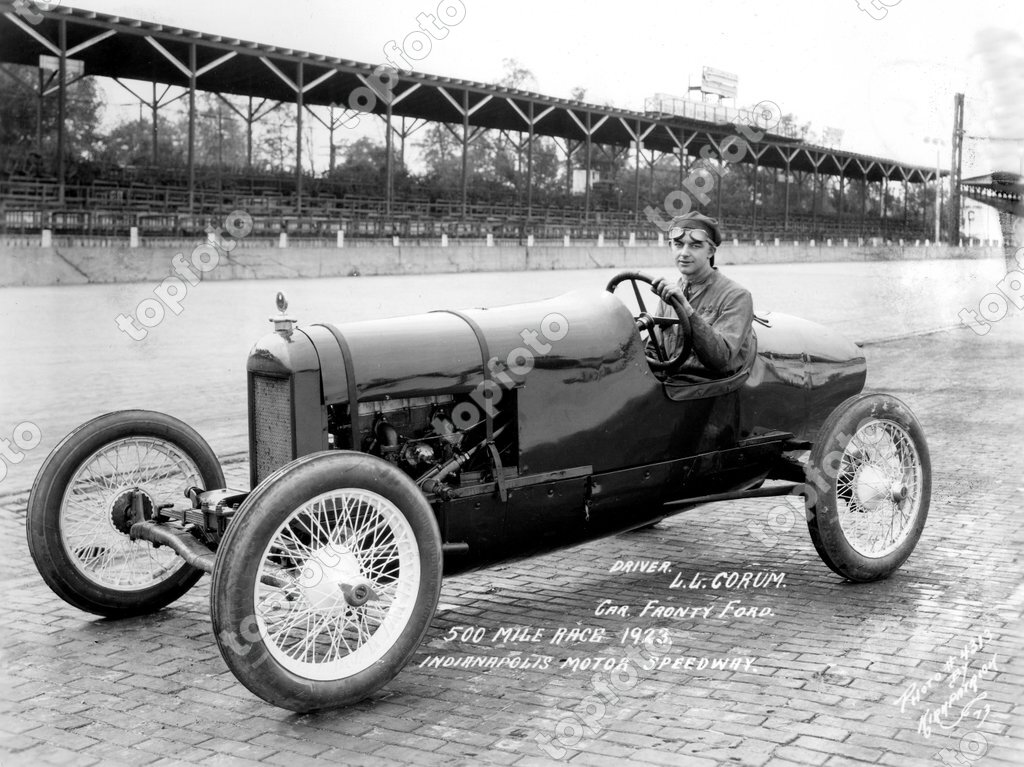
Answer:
(829, 663)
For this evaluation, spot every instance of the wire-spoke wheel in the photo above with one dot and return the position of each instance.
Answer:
(326, 581)
(869, 486)
(110, 472)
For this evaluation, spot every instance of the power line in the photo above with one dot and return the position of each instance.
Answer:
(996, 138)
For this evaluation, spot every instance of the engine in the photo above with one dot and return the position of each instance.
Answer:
(419, 435)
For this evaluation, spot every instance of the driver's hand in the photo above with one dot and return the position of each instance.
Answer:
(665, 290)
(668, 290)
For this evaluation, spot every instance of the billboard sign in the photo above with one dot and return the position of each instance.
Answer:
(719, 82)
(73, 67)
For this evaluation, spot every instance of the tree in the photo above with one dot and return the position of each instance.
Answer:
(788, 126)
(274, 141)
(220, 136)
(516, 75)
(362, 168)
(131, 143)
(441, 154)
(24, 129)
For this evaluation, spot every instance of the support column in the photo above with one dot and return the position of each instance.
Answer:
(389, 165)
(298, 138)
(636, 176)
(61, 106)
(568, 168)
(248, 137)
(39, 112)
(586, 191)
(839, 205)
(785, 214)
(924, 205)
(529, 165)
(882, 211)
(953, 222)
(753, 199)
(650, 174)
(814, 199)
(719, 185)
(863, 204)
(465, 150)
(191, 127)
(906, 201)
(155, 134)
(401, 144)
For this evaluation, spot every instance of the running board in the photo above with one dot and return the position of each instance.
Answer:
(790, 488)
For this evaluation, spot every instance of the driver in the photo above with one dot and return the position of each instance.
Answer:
(720, 310)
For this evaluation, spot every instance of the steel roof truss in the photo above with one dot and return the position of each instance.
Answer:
(444, 92)
(214, 64)
(90, 42)
(401, 96)
(473, 109)
(307, 87)
(33, 33)
(518, 111)
(577, 121)
(181, 67)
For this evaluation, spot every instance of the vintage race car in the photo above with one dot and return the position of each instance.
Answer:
(387, 452)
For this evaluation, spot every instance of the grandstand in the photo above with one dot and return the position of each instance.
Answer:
(850, 195)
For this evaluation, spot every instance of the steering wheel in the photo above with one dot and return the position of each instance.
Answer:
(647, 322)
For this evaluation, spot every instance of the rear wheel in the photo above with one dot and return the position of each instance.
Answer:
(107, 474)
(868, 487)
(326, 581)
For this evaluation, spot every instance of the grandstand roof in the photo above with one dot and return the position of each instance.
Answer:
(1000, 189)
(114, 46)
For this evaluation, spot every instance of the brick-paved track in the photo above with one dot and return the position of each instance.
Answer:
(829, 663)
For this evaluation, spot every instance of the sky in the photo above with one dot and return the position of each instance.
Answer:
(885, 73)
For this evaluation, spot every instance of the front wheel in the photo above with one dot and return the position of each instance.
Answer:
(326, 581)
(107, 474)
(868, 487)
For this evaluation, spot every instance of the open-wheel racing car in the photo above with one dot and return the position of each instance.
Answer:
(385, 453)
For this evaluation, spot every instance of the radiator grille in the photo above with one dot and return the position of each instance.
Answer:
(271, 424)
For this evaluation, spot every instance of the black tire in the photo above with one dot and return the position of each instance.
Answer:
(868, 472)
(76, 527)
(283, 566)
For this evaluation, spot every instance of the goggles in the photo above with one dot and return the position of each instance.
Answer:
(676, 234)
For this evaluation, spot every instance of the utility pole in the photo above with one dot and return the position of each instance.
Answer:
(955, 168)
(938, 187)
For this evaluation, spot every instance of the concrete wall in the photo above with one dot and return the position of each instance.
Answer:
(24, 264)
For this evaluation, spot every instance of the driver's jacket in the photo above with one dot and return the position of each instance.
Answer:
(721, 321)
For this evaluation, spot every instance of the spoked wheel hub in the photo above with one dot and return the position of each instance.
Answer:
(331, 581)
(885, 470)
(128, 507)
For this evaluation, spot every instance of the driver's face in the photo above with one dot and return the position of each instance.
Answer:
(693, 257)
